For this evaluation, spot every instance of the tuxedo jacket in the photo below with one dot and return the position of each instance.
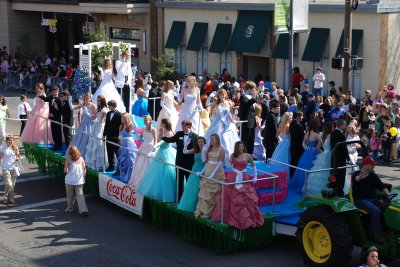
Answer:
(270, 129)
(56, 112)
(111, 127)
(183, 160)
(296, 131)
(341, 152)
(67, 113)
(247, 111)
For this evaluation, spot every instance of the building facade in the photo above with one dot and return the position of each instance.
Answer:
(239, 36)
(125, 20)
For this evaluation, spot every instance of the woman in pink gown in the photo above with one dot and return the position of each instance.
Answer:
(35, 131)
(240, 200)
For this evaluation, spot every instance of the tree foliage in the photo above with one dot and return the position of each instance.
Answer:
(165, 67)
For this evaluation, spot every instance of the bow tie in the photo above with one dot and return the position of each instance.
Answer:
(186, 134)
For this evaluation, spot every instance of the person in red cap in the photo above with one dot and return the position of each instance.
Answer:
(365, 182)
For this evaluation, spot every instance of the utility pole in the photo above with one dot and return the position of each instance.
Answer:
(291, 42)
(347, 38)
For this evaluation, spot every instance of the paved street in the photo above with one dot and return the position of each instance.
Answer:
(37, 231)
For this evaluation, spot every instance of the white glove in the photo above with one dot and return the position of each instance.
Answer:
(304, 146)
(254, 180)
(70, 98)
(162, 104)
(201, 172)
(204, 153)
(219, 165)
(186, 143)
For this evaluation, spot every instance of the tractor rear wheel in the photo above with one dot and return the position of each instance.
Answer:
(324, 238)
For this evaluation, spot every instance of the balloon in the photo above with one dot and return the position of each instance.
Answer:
(393, 131)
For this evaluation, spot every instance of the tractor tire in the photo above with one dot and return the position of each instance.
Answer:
(324, 238)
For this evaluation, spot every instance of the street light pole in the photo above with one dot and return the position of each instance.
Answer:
(347, 39)
(291, 42)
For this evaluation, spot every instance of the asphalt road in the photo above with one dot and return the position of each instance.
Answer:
(37, 232)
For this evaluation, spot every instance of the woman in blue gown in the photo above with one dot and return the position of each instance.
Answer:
(282, 151)
(139, 108)
(317, 181)
(190, 197)
(160, 180)
(89, 114)
(127, 152)
(312, 143)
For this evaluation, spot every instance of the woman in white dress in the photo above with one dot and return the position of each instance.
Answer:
(168, 104)
(222, 123)
(107, 88)
(96, 155)
(190, 97)
(352, 135)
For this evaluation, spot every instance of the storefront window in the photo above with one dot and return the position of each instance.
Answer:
(180, 59)
(202, 59)
(226, 60)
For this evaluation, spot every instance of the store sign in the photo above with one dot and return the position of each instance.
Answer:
(120, 194)
(88, 27)
(125, 34)
(49, 22)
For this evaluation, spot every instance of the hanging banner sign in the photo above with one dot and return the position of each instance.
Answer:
(120, 194)
(281, 16)
(84, 63)
(300, 15)
(49, 22)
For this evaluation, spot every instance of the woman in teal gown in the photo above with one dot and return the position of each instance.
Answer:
(160, 180)
(189, 197)
(312, 142)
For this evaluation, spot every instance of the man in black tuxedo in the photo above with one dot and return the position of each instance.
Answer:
(55, 116)
(296, 131)
(111, 133)
(183, 160)
(67, 112)
(154, 105)
(270, 140)
(341, 155)
(247, 112)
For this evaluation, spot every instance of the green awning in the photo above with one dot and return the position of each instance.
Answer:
(282, 46)
(315, 44)
(357, 36)
(175, 34)
(197, 37)
(221, 38)
(250, 31)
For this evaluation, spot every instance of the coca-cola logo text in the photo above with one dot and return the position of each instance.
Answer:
(125, 193)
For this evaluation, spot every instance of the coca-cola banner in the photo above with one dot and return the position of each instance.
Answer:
(120, 194)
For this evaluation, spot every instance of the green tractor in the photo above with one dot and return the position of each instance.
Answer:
(330, 227)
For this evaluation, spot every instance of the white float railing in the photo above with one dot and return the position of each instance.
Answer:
(271, 176)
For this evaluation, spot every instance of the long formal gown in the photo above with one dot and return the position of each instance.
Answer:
(190, 197)
(209, 190)
(190, 112)
(108, 90)
(96, 154)
(305, 162)
(126, 155)
(81, 137)
(139, 108)
(36, 131)
(170, 114)
(318, 180)
(240, 200)
(259, 149)
(159, 181)
(225, 129)
(282, 152)
(142, 162)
